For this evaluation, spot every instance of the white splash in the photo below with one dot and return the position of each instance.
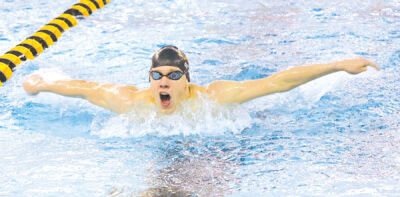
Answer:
(52, 74)
(196, 116)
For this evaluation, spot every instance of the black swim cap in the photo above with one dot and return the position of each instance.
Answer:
(171, 56)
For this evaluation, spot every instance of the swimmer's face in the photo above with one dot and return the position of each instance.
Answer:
(168, 93)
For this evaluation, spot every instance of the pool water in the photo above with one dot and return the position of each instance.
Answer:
(335, 136)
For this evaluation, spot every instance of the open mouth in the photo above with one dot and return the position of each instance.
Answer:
(165, 99)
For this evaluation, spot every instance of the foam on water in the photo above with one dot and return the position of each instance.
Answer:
(200, 116)
(51, 74)
(338, 135)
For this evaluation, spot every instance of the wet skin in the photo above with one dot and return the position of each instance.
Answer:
(167, 94)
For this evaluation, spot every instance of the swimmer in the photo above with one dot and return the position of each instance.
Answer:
(170, 84)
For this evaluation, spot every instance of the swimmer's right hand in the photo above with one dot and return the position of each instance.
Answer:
(33, 84)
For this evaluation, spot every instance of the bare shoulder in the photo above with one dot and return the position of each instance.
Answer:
(195, 90)
(130, 88)
(122, 91)
(235, 91)
(221, 84)
(127, 88)
(221, 87)
(128, 94)
(222, 91)
(135, 95)
(143, 96)
(128, 97)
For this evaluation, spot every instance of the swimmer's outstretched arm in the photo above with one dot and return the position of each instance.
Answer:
(239, 92)
(113, 97)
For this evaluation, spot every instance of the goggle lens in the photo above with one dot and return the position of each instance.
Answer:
(156, 75)
(175, 75)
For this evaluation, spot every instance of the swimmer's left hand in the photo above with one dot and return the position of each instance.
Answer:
(356, 65)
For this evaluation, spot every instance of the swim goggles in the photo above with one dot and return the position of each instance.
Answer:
(174, 75)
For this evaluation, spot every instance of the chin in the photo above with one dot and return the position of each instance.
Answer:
(168, 110)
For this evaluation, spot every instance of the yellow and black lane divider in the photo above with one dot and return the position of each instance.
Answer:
(46, 36)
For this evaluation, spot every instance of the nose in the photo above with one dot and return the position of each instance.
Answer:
(164, 82)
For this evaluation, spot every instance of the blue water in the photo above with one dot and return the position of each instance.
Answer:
(336, 136)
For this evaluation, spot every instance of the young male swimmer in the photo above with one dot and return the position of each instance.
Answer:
(170, 84)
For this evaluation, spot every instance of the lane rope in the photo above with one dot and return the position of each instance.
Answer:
(46, 36)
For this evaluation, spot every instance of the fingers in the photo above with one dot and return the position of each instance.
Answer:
(372, 64)
(369, 63)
